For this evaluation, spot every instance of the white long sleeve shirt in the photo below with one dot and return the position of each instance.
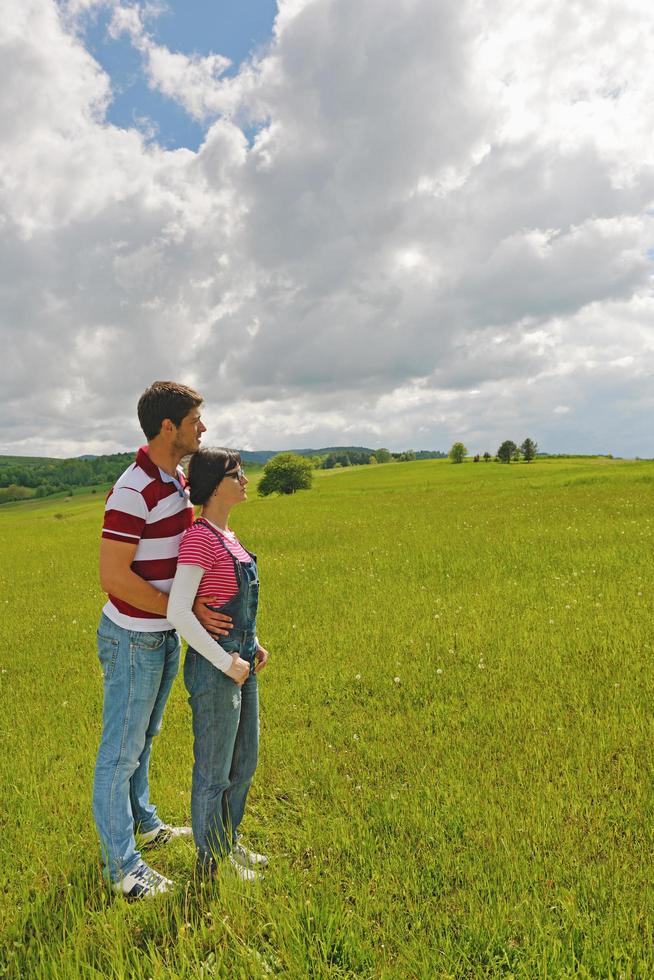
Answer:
(180, 615)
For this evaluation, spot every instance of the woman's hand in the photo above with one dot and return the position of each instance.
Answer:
(261, 657)
(214, 622)
(239, 670)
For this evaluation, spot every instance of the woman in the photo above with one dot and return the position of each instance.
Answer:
(220, 674)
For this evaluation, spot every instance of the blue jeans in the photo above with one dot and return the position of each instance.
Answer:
(139, 670)
(225, 748)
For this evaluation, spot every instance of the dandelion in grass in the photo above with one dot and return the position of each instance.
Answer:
(439, 670)
(396, 680)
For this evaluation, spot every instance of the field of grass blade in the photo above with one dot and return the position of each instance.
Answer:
(457, 729)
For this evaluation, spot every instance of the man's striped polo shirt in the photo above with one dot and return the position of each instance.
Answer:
(148, 508)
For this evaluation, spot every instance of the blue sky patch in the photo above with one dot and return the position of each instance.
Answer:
(228, 27)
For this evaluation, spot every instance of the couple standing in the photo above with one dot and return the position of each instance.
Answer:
(162, 572)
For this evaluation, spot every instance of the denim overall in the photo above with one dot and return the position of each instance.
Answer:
(225, 723)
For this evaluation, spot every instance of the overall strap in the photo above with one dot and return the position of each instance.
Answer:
(237, 564)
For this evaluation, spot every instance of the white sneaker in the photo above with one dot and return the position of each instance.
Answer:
(245, 874)
(248, 858)
(161, 835)
(142, 882)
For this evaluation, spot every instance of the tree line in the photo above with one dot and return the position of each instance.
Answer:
(30, 478)
(508, 452)
(20, 481)
(365, 457)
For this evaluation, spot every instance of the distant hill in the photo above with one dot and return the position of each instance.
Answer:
(26, 460)
(263, 455)
(22, 477)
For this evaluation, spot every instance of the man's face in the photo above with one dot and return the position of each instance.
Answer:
(189, 432)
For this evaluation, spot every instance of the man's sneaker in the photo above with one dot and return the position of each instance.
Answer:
(245, 874)
(247, 858)
(161, 835)
(142, 882)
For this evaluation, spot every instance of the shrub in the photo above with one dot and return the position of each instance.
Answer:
(285, 473)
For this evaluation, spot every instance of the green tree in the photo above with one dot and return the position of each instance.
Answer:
(457, 453)
(383, 455)
(487, 457)
(285, 473)
(506, 451)
(14, 492)
(528, 450)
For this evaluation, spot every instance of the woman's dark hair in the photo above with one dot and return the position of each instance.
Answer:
(165, 400)
(206, 470)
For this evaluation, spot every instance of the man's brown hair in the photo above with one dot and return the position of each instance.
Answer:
(165, 400)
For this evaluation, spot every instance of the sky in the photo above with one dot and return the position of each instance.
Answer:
(345, 222)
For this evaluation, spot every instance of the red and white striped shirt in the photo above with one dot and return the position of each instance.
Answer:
(201, 547)
(145, 506)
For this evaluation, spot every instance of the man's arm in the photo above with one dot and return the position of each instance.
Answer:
(118, 579)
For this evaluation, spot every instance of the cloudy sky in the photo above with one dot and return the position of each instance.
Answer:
(377, 222)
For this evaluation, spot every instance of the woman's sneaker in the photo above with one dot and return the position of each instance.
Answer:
(161, 835)
(244, 873)
(247, 858)
(142, 882)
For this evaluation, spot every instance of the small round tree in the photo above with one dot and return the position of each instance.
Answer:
(506, 451)
(285, 473)
(458, 453)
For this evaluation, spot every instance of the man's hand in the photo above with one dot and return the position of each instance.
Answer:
(239, 670)
(213, 622)
(261, 657)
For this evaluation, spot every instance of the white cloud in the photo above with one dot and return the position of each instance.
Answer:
(190, 80)
(194, 81)
(441, 229)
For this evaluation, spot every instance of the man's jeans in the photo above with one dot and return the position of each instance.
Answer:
(226, 748)
(139, 670)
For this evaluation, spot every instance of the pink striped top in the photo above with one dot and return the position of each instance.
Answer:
(201, 547)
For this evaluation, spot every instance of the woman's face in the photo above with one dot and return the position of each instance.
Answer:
(232, 488)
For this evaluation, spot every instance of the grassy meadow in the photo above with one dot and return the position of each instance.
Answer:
(457, 729)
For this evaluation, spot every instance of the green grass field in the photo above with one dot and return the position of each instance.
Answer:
(457, 732)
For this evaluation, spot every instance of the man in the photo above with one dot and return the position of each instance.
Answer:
(146, 513)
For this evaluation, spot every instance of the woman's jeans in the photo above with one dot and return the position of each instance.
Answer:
(226, 747)
(139, 670)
